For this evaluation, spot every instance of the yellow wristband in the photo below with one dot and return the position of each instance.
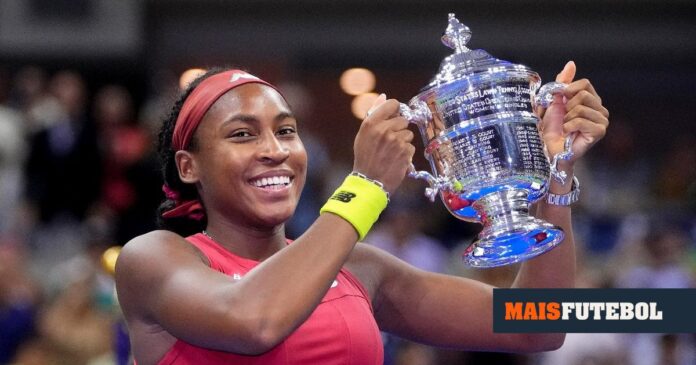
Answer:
(359, 201)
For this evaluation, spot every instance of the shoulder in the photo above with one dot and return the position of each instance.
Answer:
(159, 243)
(148, 259)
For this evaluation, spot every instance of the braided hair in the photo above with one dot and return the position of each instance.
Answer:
(184, 226)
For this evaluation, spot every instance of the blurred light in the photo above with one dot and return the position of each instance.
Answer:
(108, 259)
(362, 103)
(188, 76)
(356, 81)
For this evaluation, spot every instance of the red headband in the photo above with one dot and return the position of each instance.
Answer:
(202, 98)
(192, 112)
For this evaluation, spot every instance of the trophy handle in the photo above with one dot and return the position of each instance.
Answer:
(434, 184)
(419, 114)
(567, 154)
(543, 98)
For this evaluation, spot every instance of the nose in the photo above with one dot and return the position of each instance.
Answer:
(272, 150)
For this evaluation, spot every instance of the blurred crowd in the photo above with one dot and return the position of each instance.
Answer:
(79, 174)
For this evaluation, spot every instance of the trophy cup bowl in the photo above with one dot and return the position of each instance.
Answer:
(488, 162)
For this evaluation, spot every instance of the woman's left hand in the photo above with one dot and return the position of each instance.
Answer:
(578, 109)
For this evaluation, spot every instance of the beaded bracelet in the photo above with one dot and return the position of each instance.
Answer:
(376, 182)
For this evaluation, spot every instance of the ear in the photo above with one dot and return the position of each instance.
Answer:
(187, 166)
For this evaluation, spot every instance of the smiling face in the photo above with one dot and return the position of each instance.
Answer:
(249, 164)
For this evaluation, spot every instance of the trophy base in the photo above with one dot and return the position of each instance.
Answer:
(513, 247)
(510, 234)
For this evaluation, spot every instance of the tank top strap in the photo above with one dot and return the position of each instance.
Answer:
(220, 259)
(358, 285)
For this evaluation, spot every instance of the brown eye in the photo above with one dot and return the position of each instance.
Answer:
(286, 131)
(240, 135)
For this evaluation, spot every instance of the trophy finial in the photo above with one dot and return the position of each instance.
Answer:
(456, 35)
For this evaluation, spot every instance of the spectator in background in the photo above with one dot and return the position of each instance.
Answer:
(19, 300)
(122, 143)
(130, 179)
(677, 174)
(62, 176)
(400, 232)
(38, 352)
(75, 326)
(64, 168)
(29, 95)
(616, 178)
(663, 250)
(12, 157)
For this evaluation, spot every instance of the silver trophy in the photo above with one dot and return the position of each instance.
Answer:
(488, 162)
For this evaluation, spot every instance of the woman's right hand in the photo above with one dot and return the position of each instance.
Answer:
(382, 147)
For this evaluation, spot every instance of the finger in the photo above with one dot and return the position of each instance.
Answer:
(410, 152)
(582, 111)
(404, 135)
(407, 152)
(540, 111)
(577, 86)
(589, 131)
(585, 98)
(376, 103)
(385, 110)
(557, 103)
(542, 124)
(567, 74)
(397, 124)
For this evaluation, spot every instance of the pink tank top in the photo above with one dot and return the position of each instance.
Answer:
(341, 330)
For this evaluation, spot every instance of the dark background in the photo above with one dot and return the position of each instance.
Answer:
(640, 55)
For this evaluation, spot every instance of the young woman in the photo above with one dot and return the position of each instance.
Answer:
(222, 285)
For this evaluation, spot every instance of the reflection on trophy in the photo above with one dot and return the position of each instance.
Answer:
(487, 158)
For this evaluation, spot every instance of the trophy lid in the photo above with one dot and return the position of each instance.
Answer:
(464, 61)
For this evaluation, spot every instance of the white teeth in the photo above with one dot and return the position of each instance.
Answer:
(272, 181)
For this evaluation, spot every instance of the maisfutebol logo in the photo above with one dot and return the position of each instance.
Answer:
(554, 311)
(343, 196)
(594, 310)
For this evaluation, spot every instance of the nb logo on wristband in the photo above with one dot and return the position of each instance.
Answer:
(343, 196)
